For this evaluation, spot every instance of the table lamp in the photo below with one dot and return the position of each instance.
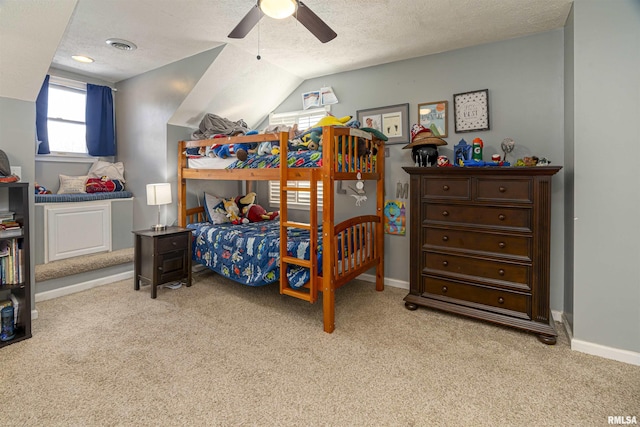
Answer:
(158, 194)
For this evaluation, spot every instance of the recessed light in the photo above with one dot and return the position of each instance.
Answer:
(82, 58)
(121, 44)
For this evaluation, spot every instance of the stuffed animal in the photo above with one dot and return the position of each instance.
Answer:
(241, 151)
(246, 200)
(233, 212)
(332, 121)
(40, 189)
(256, 213)
(312, 140)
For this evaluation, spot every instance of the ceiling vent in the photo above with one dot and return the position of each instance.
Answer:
(121, 44)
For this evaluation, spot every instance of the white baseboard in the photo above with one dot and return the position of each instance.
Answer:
(387, 281)
(620, 355)
(68, 290)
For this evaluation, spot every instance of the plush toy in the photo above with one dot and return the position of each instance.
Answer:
(312, 140)
(223, 151)
(246, 200)
(233, 212)
(40, 189)
(256, 213)
(332, 121)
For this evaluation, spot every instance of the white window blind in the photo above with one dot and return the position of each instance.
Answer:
(295, 199)
(66, 116)
(304, 119)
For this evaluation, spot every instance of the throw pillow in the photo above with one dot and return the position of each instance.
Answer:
(72, 184)
(214, 209)
(110, 170)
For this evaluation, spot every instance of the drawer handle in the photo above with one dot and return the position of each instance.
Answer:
(444, 289)
(501, 272)
(445, 187)
(501, 217)
(501, 300)
(174, 243)
(160, 268)
(445, 263)
(502, 245)
(445, 213)
(502, 189)
(445, 238)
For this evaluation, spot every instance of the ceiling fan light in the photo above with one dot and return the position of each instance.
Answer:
(278, 9)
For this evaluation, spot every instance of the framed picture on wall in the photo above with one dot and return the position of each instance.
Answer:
(392, 121)
(433, 116)
(471, 111)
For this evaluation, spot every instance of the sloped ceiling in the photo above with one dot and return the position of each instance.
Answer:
(30, 32)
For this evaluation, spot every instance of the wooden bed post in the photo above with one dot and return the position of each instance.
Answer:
(182, 186)
(328, 227)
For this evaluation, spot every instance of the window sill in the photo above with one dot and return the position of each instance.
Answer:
(66, 158)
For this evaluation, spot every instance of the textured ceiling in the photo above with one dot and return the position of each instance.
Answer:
(370, 32)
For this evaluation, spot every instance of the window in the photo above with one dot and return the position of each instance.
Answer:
(304, 119)
(295, 199)
(66, 116)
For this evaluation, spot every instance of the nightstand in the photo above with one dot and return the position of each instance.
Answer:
(162, 256)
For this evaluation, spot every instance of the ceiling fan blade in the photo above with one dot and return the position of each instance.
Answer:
(318, 28)
(248, 22)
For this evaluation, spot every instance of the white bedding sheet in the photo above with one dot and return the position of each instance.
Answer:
(209, 162)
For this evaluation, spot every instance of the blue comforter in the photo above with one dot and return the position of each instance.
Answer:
(250, 253)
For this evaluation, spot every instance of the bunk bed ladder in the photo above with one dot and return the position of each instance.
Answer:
(287, 176)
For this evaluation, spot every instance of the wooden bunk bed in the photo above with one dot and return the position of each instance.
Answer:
(350, 247)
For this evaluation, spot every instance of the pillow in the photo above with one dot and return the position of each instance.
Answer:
(72, 184)
(103, 185)
(214, 209)
(110, 170)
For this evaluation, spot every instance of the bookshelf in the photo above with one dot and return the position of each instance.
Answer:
(15, 279)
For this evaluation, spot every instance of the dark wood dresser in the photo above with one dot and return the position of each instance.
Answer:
(481, 240)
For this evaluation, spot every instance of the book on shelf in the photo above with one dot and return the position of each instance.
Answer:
(11, 269)
(7, 216)
(10, 232)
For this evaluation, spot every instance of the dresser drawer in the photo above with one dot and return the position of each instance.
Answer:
(484, 216)
(512, 190)
(173, 242)
(476, 241)
(447, 188)
(497, 273)
(498, 300)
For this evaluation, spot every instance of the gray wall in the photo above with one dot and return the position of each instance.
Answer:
(525, 81)
(144, 106)
(606, 59)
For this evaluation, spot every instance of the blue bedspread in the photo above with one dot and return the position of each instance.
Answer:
(250, 253)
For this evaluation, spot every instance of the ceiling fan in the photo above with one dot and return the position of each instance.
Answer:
(280, 9)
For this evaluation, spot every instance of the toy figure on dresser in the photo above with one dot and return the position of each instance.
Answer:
(462, 152)
(424, 146)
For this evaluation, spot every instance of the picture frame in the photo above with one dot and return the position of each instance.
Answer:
(434, 116)
(471, 111)
(392, 121)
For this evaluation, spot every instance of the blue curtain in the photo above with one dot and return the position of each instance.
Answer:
(42, 107)
(101, 140)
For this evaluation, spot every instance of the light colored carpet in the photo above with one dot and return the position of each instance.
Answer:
(81, 264)
(223, 354)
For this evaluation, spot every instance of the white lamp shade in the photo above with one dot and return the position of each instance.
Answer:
(278, 9)
(159, 194)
